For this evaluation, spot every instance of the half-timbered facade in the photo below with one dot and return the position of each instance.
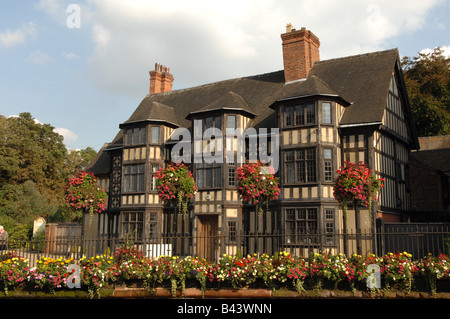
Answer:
(314, 114)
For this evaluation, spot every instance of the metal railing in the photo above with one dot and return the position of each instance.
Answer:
(418, 243)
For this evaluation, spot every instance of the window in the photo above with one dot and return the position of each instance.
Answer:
(300, 165)
(155, 135)
(328, 164)
(134, 178)
(209, 175)
(232, 231)
(136, 136)
(133, 224)
(231, 176)
(289, 116)
(329, 226)
(210, 122)
(154, 169)
(302, 114)
(153, 222)
(326, 112)
(301, 225)
(231, 121)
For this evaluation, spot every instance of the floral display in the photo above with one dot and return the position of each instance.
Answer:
(356, 183)
(176, 183)
(257, 183)
(13, 272)
(83, 193)
(50, 274)
(282, 270)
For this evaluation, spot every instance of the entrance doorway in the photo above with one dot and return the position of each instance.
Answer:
(207, 240)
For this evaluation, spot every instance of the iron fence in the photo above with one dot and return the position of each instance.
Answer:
(418, 243)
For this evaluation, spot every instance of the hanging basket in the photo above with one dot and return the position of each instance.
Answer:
(176, 184)
(356, 183)
(257, 184)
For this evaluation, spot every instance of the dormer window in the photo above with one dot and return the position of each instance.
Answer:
(326, 112)
(155, 135)
(302, 114)
(135, 136)
(231, 121)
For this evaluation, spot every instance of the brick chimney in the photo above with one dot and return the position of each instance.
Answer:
(160, 79)
(300, 51)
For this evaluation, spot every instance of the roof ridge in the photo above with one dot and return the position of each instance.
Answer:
(216, 82)
(357, 56)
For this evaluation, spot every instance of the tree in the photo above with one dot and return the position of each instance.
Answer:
(35, 167)
(30, 151)
(77, 160)
(427, 79)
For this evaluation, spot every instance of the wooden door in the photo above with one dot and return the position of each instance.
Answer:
(207, 240)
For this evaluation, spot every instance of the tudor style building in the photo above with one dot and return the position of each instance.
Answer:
(326, 112)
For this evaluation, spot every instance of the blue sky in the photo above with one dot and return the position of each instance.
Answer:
(84, 68)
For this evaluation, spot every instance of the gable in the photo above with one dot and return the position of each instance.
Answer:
(397, 114)
(363, 80)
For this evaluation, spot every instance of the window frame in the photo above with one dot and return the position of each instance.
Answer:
(133, 224)
(299, 114)
(201, 177)
(136, 136)
(304, 168)
(299, 221)
(132, 177)
(328, 171)
(152, 131)
(329, 115)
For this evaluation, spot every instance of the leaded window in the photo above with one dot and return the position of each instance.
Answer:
(302, 225)
(134, 178)
(209, 175)
(302, 114)
(135, 136)
(300, 165)
(133, 224)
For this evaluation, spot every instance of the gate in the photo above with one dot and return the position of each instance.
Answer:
(60, 238)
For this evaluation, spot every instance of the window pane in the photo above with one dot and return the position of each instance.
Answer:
(208, 177)
(217, 176)
(200, 177)
(290, 172)
(129, 137)
(310, 114)
(231, 121)
(300, 171)
(289, 155)
(231, 176)
(299, 115)
(155, 134)
(218, 122)
(142, 138)
(288, 116)
(311, 165)
(326, 113)
(208, 122)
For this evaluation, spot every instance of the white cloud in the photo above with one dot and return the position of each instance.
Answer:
(70, 55)
(38, 57)
(445, 50)
(10, 38)
(205, 41)
(68, 135)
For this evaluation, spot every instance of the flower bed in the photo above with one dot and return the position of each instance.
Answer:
(279, 272)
